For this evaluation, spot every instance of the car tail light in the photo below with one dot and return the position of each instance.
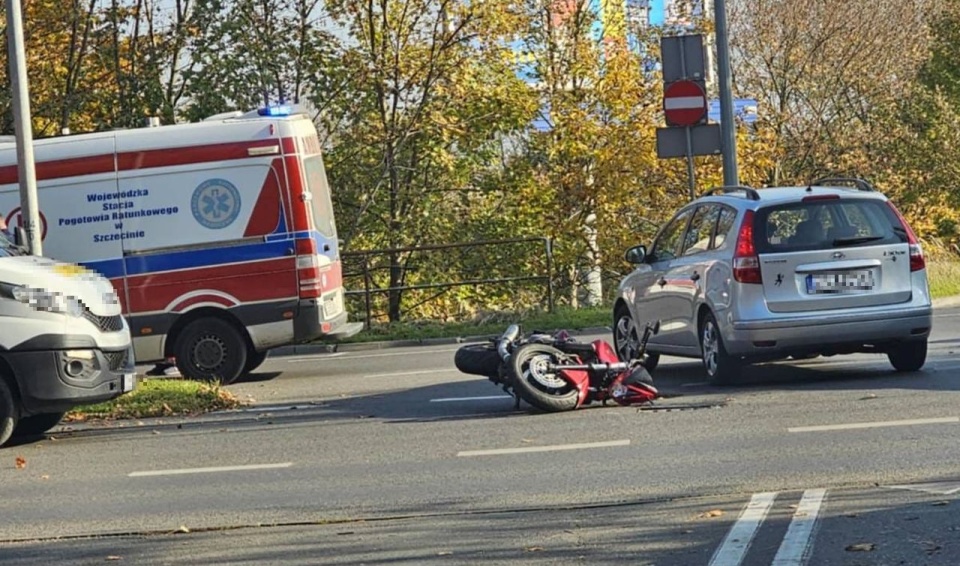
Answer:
(308, 269)
(746, 262)
(916, 252)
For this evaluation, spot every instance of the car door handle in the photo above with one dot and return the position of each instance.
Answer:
(695, 276)
(662, 282)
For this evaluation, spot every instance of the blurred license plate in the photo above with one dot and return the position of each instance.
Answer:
(840, 282)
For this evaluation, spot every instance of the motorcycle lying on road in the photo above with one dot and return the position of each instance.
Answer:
(555, 372)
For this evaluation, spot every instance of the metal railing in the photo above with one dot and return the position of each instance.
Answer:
(366, 271)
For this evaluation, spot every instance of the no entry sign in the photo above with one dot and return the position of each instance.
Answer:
(684, 103)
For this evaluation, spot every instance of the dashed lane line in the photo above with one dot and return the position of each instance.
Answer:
(213, 470)
(554, 448)
(878, 424)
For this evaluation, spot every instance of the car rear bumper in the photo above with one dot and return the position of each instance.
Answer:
(828, 334)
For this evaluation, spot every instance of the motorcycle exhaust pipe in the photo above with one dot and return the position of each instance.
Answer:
(506, 340)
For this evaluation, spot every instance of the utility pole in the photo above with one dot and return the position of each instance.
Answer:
(728, 129)
(26, 173)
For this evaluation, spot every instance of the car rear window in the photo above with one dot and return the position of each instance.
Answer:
(826, 224)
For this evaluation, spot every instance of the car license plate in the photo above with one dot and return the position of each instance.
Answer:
(840, 282)
(127, 382)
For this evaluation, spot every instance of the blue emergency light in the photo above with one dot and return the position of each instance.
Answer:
(275, 111)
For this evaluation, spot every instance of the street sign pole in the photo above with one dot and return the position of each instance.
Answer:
(26, 173)
(728, 130)
(691, 171)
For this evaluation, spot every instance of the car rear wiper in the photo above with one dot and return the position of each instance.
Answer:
(856, 240)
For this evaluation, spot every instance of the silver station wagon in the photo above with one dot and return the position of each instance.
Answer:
(742, 275)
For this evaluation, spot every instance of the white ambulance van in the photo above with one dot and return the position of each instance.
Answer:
(63, 341)
(218, 236)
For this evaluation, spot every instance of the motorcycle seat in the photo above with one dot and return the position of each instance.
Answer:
(577, 348)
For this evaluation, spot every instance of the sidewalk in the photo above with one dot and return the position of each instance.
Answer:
(310, 349)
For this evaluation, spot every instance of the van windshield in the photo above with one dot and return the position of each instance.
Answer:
(322, 203)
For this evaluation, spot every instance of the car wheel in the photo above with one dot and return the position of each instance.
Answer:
(8, 412)
(211, 349)
(720, 366)
(626, 339)
(35, 425)
(909, 356)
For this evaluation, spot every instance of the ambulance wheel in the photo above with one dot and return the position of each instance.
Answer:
(254, 360)
(211, 349)
(8, 412)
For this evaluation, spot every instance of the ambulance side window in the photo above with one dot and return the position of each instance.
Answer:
(322, 204)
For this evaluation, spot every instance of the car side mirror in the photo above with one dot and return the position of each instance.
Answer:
(636, 254)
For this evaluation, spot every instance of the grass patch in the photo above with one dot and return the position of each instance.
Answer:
(493, 324)
(160, 398)
(944, 277)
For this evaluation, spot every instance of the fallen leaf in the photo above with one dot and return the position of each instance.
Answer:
(533, 549)
(794, 506)
(444, 553)
(526, 440)
(183, 529)
(868, 397)
(861, 547)
(155, 432)
(21, 463)
(686, 531)
(45, 477)
(940, 503)
(113, 558)
(711, 514)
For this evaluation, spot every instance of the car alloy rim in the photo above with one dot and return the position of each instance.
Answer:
(711, 347)
(537, 368)
(627, 342)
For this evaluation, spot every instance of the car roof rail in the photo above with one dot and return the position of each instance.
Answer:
(751, 192)
(859, 183)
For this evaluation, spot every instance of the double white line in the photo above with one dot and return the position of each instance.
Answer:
(795, 543)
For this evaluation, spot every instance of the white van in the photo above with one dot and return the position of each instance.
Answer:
(63, 341)
(218, 236)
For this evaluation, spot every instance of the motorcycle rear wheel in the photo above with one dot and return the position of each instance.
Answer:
(536, 384)
(478, 359)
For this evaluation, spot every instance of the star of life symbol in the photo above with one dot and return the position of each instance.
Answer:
(216, 203)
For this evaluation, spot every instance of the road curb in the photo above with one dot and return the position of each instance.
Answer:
(946, 302)
(313, 349)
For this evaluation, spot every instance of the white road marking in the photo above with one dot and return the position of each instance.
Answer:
(799, 535)
(306, 359)
(938, 488)
(608, 444)
(458, 399)
(850, 426)
(209, 470)
(360, 355)
(735, 546)
(418, 372)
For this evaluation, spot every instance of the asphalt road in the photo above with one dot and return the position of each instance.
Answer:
(393, 456)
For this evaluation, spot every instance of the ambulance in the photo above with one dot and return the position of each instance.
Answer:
(63, 341)
(218, 236)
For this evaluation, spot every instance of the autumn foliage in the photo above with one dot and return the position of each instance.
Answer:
(450, 121)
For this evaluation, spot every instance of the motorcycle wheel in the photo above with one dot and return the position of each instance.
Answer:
(537, 385)
(478, 359)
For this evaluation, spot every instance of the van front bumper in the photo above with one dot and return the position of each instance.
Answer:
(51, 381)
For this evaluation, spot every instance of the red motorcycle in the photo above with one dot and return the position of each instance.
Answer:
(556, 373)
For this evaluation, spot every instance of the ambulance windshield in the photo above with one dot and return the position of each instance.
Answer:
(322, 204)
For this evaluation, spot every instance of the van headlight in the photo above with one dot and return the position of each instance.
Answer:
(43, 300)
